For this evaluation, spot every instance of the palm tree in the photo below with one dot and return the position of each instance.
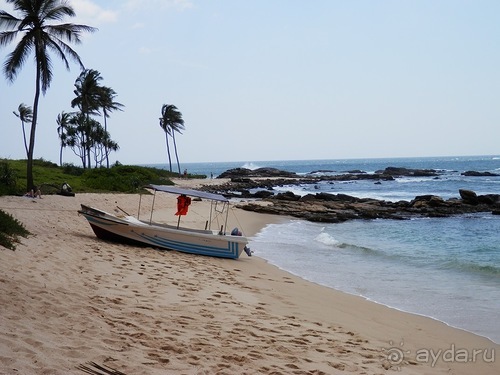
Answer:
(103, 144)
(62, 130)
(25, 115)
(107, 103)
(39, 37)
(171, 122)
(88, 96)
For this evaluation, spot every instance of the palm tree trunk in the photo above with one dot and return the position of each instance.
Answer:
(24, 136)
(168, 153)
(175, 150)
(87, 126)
(105, 145)
(29, 165)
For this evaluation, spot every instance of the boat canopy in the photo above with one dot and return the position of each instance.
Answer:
(188, 192)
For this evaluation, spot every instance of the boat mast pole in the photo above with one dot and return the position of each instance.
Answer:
(139, 209)
(152, 206)
(227, 215)
(210, 215)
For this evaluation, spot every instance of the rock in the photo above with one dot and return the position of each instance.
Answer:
(322, 171)
(490, 199)
(263, 194)
(399, 171)
(427, 200)
(436, 201)
(468, 196)
(479, 174)
(259, 172)
(329, 197)
(241, 179)
(287, 196)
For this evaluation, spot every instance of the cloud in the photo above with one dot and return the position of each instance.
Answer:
(91, 13)
(179, 5)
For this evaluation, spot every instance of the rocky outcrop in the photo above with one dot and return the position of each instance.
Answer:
(335, 208)
(386, 174)
(238, 173)
(398, 171)
(479, 174)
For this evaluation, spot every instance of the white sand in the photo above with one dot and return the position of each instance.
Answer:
(68, 298)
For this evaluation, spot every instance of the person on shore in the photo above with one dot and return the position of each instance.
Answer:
(34, 193)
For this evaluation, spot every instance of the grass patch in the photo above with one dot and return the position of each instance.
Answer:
(10, 231)
(124, 178)
(49, 177)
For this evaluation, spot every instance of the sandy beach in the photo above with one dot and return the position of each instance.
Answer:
(69, 302)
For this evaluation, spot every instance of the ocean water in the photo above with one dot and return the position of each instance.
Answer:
(444, 268)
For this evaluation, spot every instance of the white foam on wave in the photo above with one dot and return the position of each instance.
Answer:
(250, 165)
(297, 190)
(412, 180)
(327, 239)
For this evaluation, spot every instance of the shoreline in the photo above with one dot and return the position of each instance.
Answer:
(68, 298)
(369, 300)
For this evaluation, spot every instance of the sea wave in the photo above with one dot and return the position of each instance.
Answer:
(472, 268)
(251, 166)
(327, 239)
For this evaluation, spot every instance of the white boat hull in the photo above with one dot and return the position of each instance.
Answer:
(130, 230)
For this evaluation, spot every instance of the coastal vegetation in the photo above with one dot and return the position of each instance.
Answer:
(50, 177)
(34, 31)
(88, 139)
(36, 35)
(171, 122)
(10, 230)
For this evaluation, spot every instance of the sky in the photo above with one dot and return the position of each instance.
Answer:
(267, 80)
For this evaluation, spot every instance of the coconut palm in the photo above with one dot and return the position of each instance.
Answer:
(102, 145)
(171, 122)
(25, 115)
(107, 103)
(88, 96)
(38, 36)
(62, 130)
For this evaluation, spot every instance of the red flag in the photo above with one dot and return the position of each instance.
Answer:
(183, 203)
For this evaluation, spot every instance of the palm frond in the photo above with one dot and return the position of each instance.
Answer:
(96, 369)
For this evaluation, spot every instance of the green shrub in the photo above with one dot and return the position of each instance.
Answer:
(10, 230)
(72, 169)
(124, 178)
(8, 179)
(44, 163)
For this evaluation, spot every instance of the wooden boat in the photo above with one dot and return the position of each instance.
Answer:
(129, 229)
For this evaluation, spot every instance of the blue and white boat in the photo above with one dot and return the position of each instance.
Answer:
(128, 229)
